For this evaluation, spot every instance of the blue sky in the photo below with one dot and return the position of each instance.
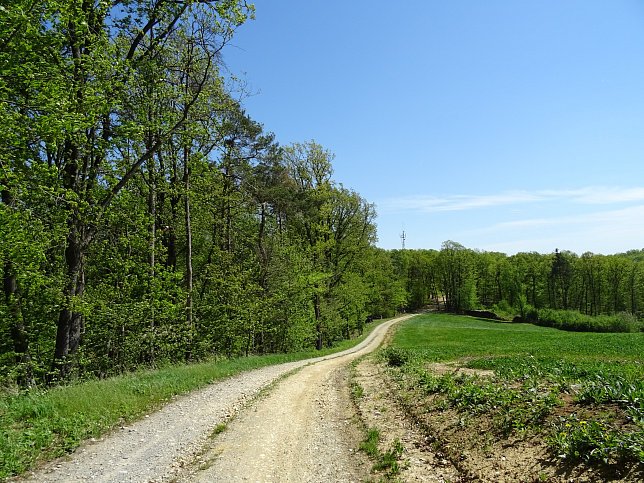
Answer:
(504, 125)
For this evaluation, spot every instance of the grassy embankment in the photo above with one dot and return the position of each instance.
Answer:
(583, 393)
(39, 425)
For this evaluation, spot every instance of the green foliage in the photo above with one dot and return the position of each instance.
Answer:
(416, 272)
(388, 461)
(457, 268)
(370, 443)
(220, 428)
(513, 410)
(595, 442)
(503, 310)
(357, 391)
(147, 219)
(517, 286)
(395, 357)
(573, 320)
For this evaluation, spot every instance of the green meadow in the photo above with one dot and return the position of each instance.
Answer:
(592, 381)
(445, 337)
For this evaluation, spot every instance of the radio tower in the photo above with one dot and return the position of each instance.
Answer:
(403, 236)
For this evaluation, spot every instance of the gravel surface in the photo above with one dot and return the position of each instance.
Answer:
(301, 431)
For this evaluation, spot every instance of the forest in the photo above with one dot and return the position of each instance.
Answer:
(147, 219)
(591, 292)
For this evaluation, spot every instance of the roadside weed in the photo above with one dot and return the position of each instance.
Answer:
(220, 428)
(370, 443)
(388, 461)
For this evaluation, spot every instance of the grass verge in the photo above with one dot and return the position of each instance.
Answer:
(40, 425)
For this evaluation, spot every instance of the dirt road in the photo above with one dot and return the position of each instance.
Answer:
(302, 430)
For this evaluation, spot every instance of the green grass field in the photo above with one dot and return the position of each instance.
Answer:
(444, 337)
(599, 376)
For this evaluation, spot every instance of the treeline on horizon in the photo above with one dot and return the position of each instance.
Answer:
(146, 219)
(591, 292)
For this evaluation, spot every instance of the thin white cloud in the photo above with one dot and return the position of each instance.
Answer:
(602, 195)
(429, 204)
(630, 216)
(608, 231)
(596, 195)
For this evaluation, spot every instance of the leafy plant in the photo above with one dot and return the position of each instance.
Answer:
(396, 357)
(370, 444)
(595, 441)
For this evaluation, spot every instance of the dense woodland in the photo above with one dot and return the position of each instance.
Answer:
(146, 218)
(525, 284)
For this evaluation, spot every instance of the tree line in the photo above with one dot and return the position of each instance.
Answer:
(145, 217)
(468, 279)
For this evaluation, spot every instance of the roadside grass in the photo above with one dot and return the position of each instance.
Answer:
(387, 461)
(40, 425)
(582, 393)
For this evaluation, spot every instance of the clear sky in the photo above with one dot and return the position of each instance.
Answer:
(504, 125)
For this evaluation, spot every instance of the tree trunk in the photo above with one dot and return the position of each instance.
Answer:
(264, 269)
(318, 321)
(70, 320)
(152, 208)
(227, 209)
(632, 291)
(186, 179)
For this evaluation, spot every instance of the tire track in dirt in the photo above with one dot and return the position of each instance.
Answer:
(303, 430)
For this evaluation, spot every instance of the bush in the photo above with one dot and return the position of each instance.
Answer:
(396, 357)
(531, 314)
(575, 321)
(504, 310)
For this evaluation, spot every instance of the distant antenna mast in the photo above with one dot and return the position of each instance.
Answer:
(403, 237)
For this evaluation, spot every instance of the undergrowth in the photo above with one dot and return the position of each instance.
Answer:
(573, 320)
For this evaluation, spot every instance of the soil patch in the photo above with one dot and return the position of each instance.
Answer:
(379, 408)
(446, 445)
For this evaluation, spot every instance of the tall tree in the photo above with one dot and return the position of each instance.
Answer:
(457, 276)
(86, 60)
(335, 224)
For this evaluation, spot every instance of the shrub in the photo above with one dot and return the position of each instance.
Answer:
(531, 314)
(504, 310)
(575, 321)
(396, 357)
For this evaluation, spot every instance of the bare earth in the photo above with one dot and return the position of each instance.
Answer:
(303, 429)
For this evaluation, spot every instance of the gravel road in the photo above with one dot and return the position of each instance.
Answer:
(301, 430)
